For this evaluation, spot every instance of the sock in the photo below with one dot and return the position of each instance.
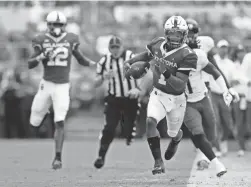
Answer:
(58, 156)
(204, 146)
(201, 156)
(35, 131)
(102, 150)
(178, 137)
(154, 144)
(194, 141)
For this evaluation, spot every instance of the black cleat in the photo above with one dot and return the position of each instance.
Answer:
(99, 163)
(130, 138)
(159, 167)
(171, 149)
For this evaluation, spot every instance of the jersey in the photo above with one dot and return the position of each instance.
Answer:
(206, 43)
(196, 88)
(182, 58)
(56, 70)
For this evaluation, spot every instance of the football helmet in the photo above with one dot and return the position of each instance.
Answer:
(193, 31)
(56, 22)
(176, 31)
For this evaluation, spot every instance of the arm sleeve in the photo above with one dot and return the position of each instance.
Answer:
(75, 42)
(101, 66)
(189, 63)
(212, 60)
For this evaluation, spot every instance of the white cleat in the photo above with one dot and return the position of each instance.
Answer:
(220, 168)
(240, 153)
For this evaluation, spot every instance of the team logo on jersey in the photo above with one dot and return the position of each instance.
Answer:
(55, 45)
(167, 62)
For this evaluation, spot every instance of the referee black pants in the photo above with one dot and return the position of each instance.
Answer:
(115, 108)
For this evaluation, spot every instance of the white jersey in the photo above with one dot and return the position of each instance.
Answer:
(206, 43)
(196, 88)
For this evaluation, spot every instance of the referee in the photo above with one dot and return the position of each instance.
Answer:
(121, 102)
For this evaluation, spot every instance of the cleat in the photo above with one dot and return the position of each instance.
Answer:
(159, 167)
(130, 139)
(202, 164)
(99, 163)
(171, 149)
(56, 164)
(220, 168)
(221, 173)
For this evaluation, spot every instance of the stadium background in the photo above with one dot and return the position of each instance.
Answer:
(94, 22)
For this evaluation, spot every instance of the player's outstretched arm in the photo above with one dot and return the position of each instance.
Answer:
(82, 60)
(219, 79)
(212, 60)
(217, 75)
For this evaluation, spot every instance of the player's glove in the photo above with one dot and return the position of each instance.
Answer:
(50, 54)
(127, 66)
(234, 94)
(160, 67)
(227, 96)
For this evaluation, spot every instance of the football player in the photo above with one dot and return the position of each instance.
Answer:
(199, 112)
(54, 50)
(173, 61)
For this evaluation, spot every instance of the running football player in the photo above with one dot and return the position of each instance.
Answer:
(173, 61)
(199, 112)
(54, 50)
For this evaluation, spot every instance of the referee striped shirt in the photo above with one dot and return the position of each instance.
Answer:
(116, 86)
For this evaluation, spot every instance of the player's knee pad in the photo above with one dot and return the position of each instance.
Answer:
(172, 133)
(36, 119)
(60, 114)
(151, 127)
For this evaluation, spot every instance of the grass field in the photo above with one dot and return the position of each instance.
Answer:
(26, 163)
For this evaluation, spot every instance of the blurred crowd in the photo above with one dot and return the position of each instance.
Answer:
(94, 22)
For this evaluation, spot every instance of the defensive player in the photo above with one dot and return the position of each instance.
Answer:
(54, 50)
(199, 111)
(173, 60)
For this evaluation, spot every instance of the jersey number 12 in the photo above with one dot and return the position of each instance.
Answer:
(60, 59)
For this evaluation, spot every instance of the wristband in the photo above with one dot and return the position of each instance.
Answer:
(166, 74)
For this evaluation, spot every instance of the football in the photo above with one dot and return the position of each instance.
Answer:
(137, 70)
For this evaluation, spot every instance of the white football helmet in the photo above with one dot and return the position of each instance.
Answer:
(176, 31)
(56, 22)
(206, 43)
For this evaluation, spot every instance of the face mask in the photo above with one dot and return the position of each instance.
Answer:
(57, 31)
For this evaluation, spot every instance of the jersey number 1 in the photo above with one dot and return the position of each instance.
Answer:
(61, 56)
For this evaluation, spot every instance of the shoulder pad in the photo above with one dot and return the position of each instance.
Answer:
(72, 35)
(187, 50)
(206, 43)
(202, 59)
(73, 39)
(155, 44)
